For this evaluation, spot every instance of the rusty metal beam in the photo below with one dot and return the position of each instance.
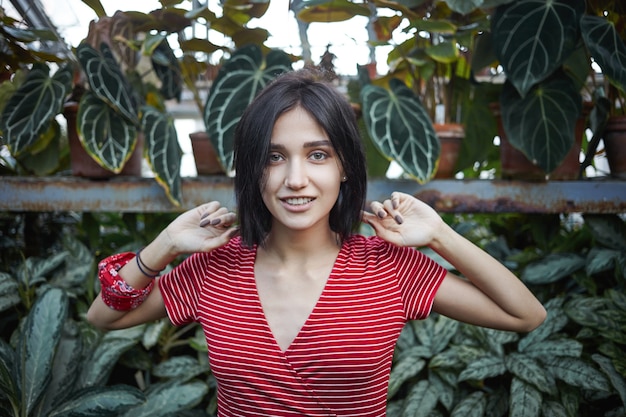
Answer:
(453, 196)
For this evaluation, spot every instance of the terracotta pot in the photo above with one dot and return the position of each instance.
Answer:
(207, 162)
(83, 165)
(450, 136)
(615, 145)
(515, 165)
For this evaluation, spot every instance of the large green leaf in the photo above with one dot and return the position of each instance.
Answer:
(169, 398)
(402, 371)
(421, 400)
(179, 367)
(9, 295)
(8, 384)
(167, 68)
(100, 402)
(486, 367)
(33, 106)
(552, 268)
(332, 11)
(471, 406)
(578, 373)
(163, 151)
(554, 322)
(542, 124)
(532, 38)
(37, 345)
(525, 399)
(401, 128)
(608, 229)
(529, 370)
(240, 79)
(606, 48)
(102, 359)
(559, 347)
(106, 136)
(106, 79)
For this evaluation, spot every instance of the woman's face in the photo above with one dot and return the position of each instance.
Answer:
(303, 174)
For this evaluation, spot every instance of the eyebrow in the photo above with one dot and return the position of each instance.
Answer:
(313, 144)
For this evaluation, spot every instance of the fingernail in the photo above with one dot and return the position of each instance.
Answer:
(215, 222)
(204, 222)
(394, 203)
(382, 214)
(398, 219)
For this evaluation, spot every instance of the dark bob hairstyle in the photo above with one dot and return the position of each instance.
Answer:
(306, 89)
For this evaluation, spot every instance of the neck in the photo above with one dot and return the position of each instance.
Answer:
(298, 245)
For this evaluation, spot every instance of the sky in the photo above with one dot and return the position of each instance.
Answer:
(347, 40)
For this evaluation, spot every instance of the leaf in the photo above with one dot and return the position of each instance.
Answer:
(181, 367)
(608, 229)
(599, 260)
(9, 293)
(485, 367)
(552, 268)
(163, 150)
(617, 380)
(106, 136)
(421, 399)
(606, 48)
(8, 385)
(100, 401)
(401, 128)
(553, 409)
(106, 79)
(101, 360)
(529, 370)
(541, 125)
(332, 11)
(38, 343)
(532, 38)
(240, 79)
(34, 105)
(152, 333)
(525, 399)
(444, 330)
(168, 398)
(402, 371)
(167, 68)
(587, 311)
(471, 406)
(551, 348)
(577, 372)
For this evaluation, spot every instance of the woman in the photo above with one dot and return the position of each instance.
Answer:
(300, 314)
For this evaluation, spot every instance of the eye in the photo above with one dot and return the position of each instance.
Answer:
(275, 157)
(318, 155)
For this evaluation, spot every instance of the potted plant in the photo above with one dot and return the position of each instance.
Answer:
(31, 97)
(407, 110)
(546, 50)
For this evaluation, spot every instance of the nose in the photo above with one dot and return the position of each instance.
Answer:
(296, 176)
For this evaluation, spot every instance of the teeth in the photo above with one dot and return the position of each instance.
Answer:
(298, 201)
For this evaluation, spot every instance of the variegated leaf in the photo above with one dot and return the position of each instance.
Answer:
(600, 259)
(401, 128)
(542, 124)
(100, 401)
(106, 79)
(167, 68)
(578, 373)
(532, 38)
(553, 323)
(552, 268)
(106, 136)
(9, 294)
(525, 399)
(421, 399)
(163, 151)
(559, 347)
(529, 370)
(606, 47)
(608, 229)
(240, 79)
(486, 367)
(471, 406)
(617, 380)
(168, 399)
(553, 409)
(402, 371)
(30, 110)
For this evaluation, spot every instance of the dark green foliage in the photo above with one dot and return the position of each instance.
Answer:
(572, 365)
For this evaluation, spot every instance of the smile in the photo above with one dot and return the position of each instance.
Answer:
(298, 201)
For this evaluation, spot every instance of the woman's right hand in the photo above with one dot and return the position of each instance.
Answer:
(201, 229)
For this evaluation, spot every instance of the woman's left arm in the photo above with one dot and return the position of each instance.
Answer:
(490, 296)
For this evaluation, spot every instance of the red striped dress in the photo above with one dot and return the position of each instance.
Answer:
(339, 363)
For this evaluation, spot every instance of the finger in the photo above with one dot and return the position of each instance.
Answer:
(213, 218)
(379, 209)
(389, 207)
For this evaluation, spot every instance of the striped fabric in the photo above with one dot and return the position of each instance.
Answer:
(339, 363)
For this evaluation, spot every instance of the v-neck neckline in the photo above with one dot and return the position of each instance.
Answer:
(312, 313)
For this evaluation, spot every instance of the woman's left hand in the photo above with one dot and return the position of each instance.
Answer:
(404, 220)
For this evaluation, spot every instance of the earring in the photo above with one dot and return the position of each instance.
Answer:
(344, 179)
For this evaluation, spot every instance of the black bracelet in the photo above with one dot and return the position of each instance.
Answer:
(155, 273)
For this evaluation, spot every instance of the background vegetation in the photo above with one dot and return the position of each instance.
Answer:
(53, 363)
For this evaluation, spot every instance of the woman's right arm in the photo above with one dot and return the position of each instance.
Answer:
(201, 229)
